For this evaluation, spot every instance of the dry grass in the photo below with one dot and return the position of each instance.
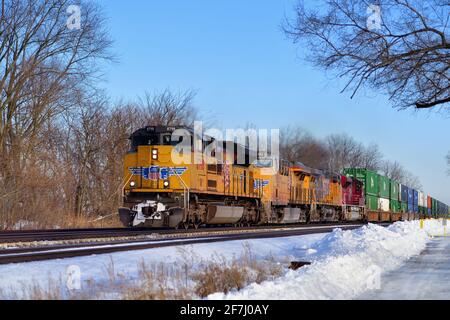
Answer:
(188, 279)
(219, 275)
(57, 220)
(160, 283)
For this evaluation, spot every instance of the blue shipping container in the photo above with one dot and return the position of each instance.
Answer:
(416, 201)
(410, 195)
(404, 193)
(410, 200)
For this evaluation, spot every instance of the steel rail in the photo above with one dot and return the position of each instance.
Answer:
(8, 256)
(74, 234)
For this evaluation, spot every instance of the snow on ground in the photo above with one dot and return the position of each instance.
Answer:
(345, 263)
(14, 277)
(424, 277)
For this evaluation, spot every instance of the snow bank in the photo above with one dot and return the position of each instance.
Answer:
(345, 263)
(127, 263)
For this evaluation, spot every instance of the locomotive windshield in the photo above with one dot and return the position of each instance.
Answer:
(153, 136)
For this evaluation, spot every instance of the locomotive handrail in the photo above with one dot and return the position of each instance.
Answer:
(125, 184)
(186, 192)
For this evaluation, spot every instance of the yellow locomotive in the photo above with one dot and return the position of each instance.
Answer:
(160, 192)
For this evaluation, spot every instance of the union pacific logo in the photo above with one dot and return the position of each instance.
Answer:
(157, 173)
(259, 184)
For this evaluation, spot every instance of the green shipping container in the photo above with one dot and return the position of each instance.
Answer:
(395, 190)
(384, 185)
(369, 178)
(395, 206)
(404, 207)
(372, 202)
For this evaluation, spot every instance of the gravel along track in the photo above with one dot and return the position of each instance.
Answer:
(19, 255)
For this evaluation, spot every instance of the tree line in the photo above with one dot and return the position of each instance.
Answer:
(338, 151)
(62, 140)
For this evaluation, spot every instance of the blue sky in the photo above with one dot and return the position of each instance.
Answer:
(246, 71)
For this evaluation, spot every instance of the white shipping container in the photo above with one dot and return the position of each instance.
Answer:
(383, 204)
(422, 199)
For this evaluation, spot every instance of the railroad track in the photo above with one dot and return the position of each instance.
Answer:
(67, 234)
(71, 234)
(20, 255)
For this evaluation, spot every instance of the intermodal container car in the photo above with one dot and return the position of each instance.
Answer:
(394, 190)
(410, 200)
(404, 193)
(422, 200)
(384, 187)
(416, 201)
(395, 206)
(372, 203)
(383, 204)
(433, 207)
(404, 207)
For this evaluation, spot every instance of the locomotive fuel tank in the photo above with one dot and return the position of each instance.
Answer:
(219, 214)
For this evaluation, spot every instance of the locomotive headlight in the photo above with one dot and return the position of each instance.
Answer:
(132, 184)
(155, 154)
(166, 184)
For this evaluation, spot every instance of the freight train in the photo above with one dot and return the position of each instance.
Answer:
(158, 192)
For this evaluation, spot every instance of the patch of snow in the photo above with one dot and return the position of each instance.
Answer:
(344, 263)
(95, 268)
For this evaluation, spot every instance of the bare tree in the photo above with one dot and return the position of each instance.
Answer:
(298, 145)
(44, 67)
(393, 170)
(41, 59)
(412, 181)
(400, 47)
(345, 152)
(169, 108)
